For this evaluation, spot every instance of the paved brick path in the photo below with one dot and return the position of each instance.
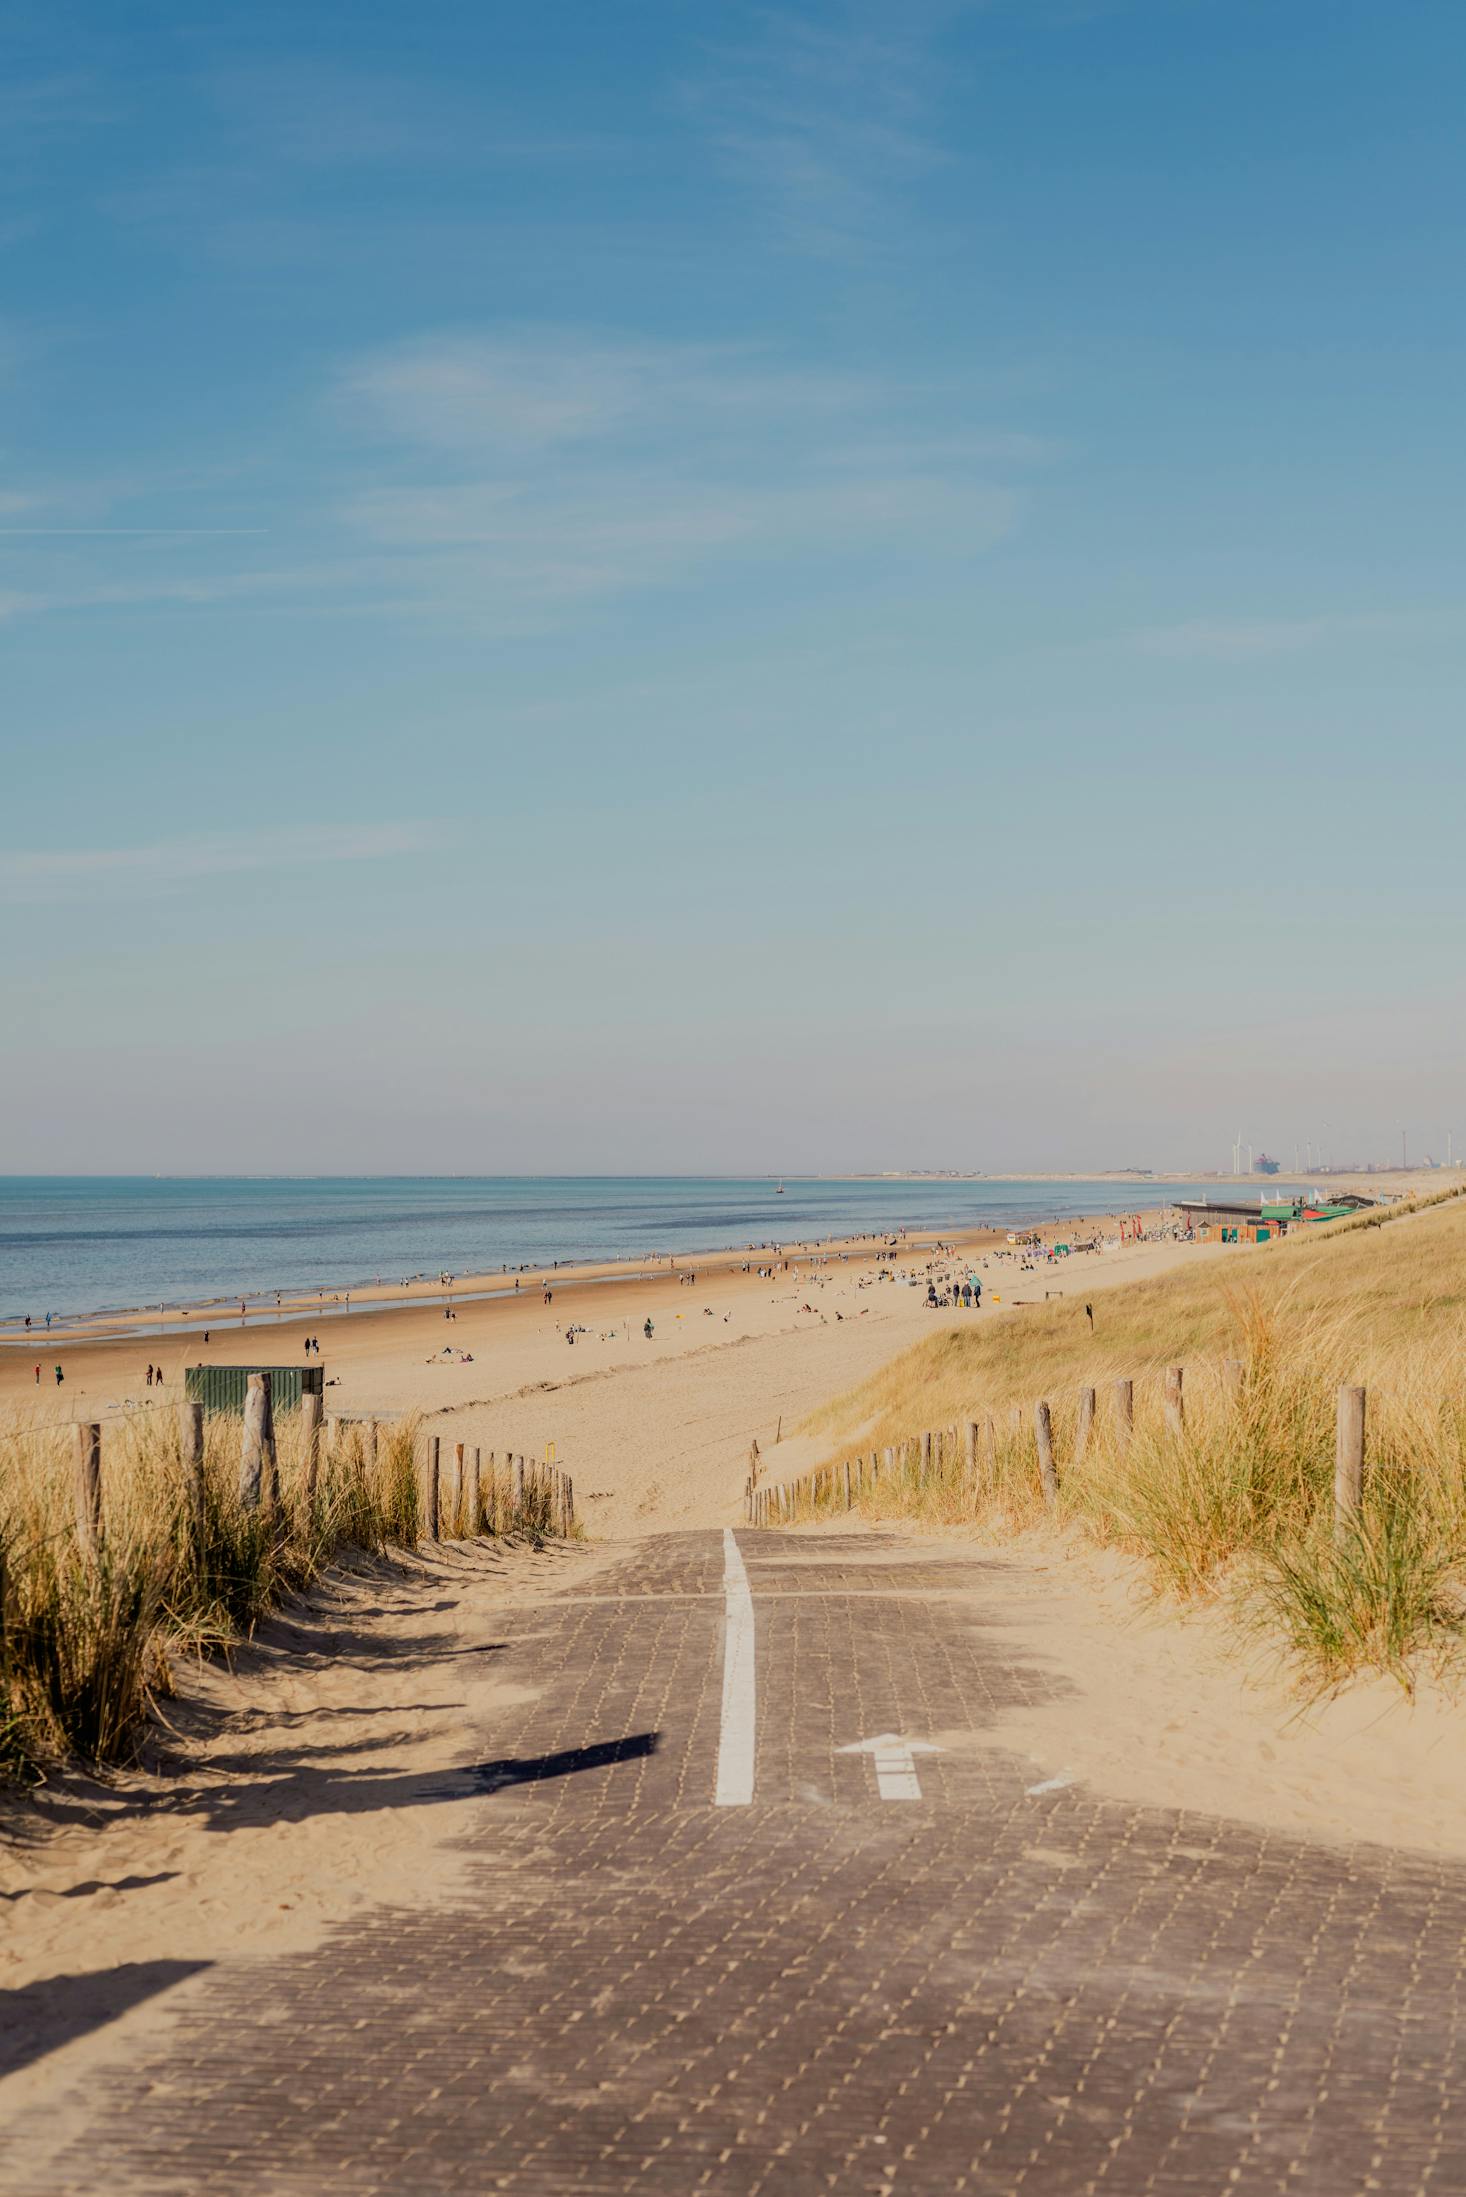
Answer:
(985, 1991)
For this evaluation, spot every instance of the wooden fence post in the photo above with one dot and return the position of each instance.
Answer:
(848, 1495)
(924, 1469)
(191, 1449)
(369, 1446)
(475, 1493)
(516, 1491)
(1124, 1395)
(1348, 1457)
(310, 1440)
(1176, 1397)
(1085, 1426)
(970, 1458)
(89, 1488)
(1044, 1435)
(431, 1519)
(460, 1475)
(259, 1472)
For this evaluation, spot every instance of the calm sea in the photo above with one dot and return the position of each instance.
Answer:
(71, 1245)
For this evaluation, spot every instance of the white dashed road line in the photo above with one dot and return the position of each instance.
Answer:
(735, 1733)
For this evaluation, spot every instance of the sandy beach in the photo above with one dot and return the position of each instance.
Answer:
(655, 1430)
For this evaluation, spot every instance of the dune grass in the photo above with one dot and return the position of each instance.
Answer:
(1239, 1499)
(87, 1639)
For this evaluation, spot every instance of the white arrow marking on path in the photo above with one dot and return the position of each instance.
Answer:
(735, 1733)
(895, 1767)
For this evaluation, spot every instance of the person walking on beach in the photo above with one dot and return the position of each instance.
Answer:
(647, 1330)
(150, 1376)
(38, 1376)
(60, 1376)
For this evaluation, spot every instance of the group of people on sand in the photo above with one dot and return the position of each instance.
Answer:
(966, 1295)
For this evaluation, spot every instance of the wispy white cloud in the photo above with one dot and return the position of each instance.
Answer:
(944, 453)
(167, 865)
(317, 114)
(828, 122)
(589, 468)
(184, 589)
(535, 389)
(505, 552)
(1249, 640)
(45, 109)
(1203, 640)
(501, 482)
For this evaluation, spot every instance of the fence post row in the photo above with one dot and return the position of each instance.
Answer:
(259, 1471)
(915, 1456)
(191, 1450)
(430, 1491)
(89, 1488)
(310, 1435)
(1085, 1426)
(1348, 1457)
(1175, 1397)
(1048, 1471)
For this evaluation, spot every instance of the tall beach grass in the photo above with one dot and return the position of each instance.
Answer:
(87, 1637)
(1237, 1500)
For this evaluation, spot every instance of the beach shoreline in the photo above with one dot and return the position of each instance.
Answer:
(257, 1307)
(648, 1393)
(270, 1310)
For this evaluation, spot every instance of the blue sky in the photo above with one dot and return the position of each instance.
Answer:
(667, 586)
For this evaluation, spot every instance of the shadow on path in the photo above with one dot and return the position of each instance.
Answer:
(44, 2015)
(530, 1769)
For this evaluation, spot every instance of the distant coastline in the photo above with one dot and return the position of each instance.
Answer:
(131, 1250)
